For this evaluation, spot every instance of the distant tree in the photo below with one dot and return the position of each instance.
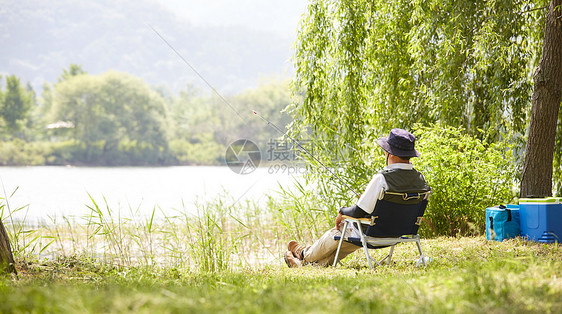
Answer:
(547, 96)
(16, 104)
(46, 100)
(45, 103)
(73, 70)
(31, 92)
(269, 99)
(112, 110)
(203, 125)
(191, 113)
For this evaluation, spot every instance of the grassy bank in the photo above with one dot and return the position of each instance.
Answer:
(465, 275)
(228, 257)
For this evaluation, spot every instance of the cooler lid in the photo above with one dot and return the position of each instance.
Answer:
(546, 200)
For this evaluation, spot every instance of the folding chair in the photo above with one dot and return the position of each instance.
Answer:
(395, 219)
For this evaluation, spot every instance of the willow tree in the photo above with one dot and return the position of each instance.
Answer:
(364, 67)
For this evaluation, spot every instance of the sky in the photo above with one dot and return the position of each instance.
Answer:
(279, 16)
(232, 43)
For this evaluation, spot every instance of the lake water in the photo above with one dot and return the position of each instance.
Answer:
(58, 191)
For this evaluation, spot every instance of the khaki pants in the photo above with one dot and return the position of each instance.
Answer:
(323, 251)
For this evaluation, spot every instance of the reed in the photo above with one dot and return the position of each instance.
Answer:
(22, 239)
(214, 236)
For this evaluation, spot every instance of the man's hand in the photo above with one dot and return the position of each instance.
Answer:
(339, 220)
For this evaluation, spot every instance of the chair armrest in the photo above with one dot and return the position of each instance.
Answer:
(366, 221)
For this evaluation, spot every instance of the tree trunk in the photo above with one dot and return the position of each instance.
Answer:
(7, 264)
(547, 94)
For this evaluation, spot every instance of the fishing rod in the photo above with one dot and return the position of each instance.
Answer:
(238, 114)
(306, 151)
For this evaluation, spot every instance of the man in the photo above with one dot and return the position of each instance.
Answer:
(399, 175)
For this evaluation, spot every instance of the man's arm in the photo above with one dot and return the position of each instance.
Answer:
(353, 211)
(367, 200)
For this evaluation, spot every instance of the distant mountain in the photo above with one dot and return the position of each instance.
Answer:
(39, 38)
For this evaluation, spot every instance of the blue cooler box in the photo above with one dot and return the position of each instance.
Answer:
(502, 222)
(541, 219)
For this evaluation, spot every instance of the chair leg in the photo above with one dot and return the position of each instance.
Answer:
(339, 244)
(365, 247)
(422, 257)
(390, 255)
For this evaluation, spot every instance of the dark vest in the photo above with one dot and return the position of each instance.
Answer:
(401, 180)
(408, 183)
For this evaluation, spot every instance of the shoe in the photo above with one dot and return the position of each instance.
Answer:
(291, 260)
(296, 249)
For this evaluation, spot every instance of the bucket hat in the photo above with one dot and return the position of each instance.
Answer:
(399, 143)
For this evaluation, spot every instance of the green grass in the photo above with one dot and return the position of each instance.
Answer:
(228, 257)
(465, 275)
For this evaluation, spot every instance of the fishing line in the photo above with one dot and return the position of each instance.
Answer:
(238, 114)
(306, 151)
(198, 74)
